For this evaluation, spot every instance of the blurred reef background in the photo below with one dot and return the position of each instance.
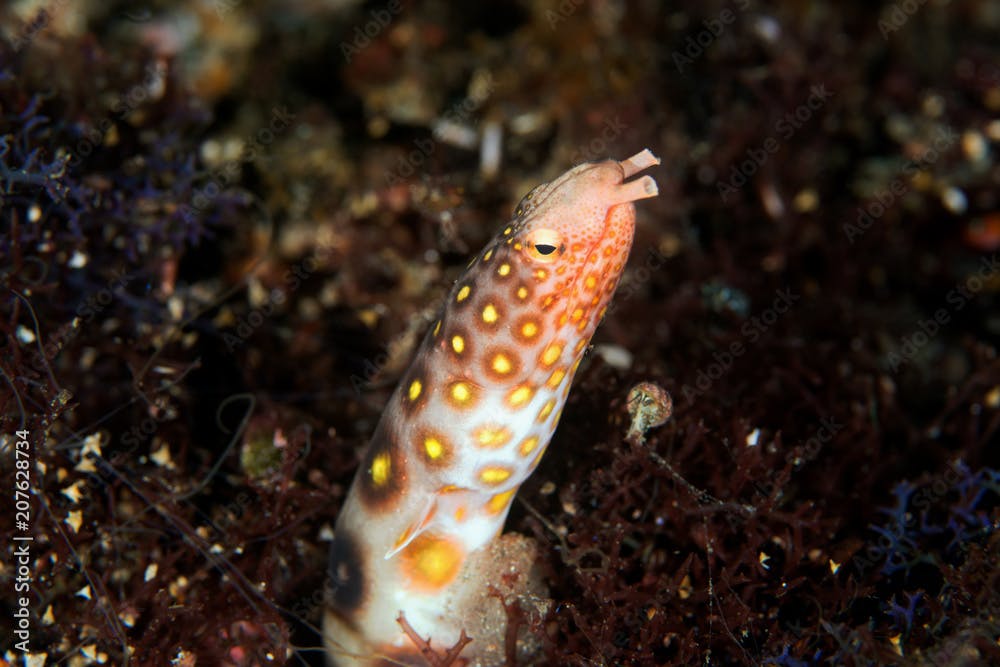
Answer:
(225, 224)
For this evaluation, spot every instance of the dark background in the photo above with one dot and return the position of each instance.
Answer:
(225, 224)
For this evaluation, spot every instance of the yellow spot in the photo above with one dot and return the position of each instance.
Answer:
(494, 475)
(490, 314)
(522, 292)
(551, 354)
(489, 436)
(577, 314)
(529, 329)
(556, 378)
(381, 469)
(576, 364)
(507, 231)
(590, 282)
(528, 445)
(562, 319)
(498, 502)
(548, 301)
(546, 409)
(433, 447)
(501, 364)
(431, 561)
(504, 269)
(415, 389)
(463, 293)
(582, 325)
(607, 251)
(580, 344)
(600, 315)
(460, 513)
(458, 344)
(520, 396)
(518, 246)
(461, 392)
(538, 457)
(489, 253)
(437, 328)
(541, 274)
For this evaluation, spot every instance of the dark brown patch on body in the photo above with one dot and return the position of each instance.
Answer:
(347, 585)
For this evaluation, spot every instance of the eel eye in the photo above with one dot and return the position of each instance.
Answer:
(544, 245)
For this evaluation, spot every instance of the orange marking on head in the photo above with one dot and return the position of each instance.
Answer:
(431, 562)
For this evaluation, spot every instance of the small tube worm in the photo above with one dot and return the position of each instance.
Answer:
(417, 544)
